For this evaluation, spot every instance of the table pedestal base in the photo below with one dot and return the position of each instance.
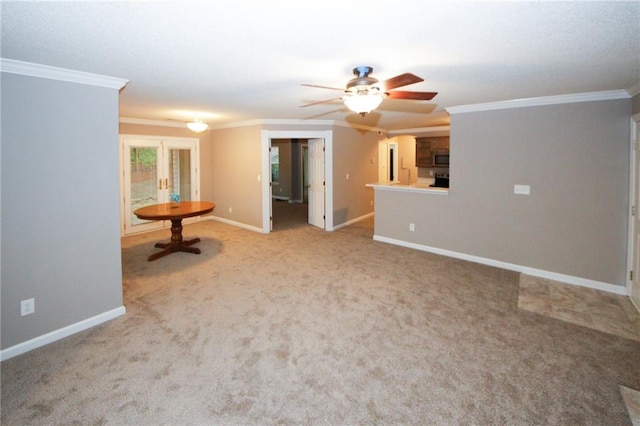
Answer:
(176, 243)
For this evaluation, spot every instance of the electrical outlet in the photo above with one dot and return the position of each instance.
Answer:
(230, 210)
(347, 176)
(27, 307)
(412, 227)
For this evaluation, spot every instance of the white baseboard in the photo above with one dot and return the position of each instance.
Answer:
(234, 223)
(567, 279)
(352, 221)
(61, 333)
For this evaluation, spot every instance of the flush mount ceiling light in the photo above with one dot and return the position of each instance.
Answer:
(197, 126)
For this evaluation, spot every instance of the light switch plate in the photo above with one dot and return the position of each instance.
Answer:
(27, 307)
(522, 189)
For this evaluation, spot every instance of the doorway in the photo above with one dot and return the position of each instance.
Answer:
(318, 182)
(153, 169)
(388, 160)
(289, 183)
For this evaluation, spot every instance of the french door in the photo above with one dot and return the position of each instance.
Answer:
(154, 169)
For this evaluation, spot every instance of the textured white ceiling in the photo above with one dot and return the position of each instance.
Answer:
(240, 60)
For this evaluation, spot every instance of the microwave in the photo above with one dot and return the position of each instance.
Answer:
(440, 158)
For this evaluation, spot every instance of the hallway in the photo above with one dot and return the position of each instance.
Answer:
(288, 215)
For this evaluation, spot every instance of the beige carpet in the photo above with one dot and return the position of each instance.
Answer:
(303, 326)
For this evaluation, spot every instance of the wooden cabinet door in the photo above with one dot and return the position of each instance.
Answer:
(423, 153)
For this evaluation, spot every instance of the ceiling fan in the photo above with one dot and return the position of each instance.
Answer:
(364, 93)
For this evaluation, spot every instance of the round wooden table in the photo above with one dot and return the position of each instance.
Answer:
(175, 212)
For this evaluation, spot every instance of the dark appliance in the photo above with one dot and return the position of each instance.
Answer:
(440, 158)
(442, 181)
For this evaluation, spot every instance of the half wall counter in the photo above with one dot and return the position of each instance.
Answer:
(418, 187)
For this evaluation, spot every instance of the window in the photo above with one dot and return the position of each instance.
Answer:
(274, 156)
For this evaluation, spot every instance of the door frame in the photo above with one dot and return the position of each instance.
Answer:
(385, 147)
(634, 181)
(317, 194)
(265, 177)
(166, 143)
(304, 171)
(126, 142)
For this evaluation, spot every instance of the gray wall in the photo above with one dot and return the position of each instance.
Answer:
(234, 165)
(575, 157)
(355, 152)
(59, 195)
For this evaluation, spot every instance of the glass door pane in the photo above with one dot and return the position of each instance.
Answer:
(143, 182)
(144, 179)
(182, 170)
(180, 173)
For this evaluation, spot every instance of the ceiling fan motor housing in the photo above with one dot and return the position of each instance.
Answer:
(362, 79)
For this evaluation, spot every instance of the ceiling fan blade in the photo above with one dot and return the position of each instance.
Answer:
(322, 87)
(400, 80)
(321, 102)
(416, 96)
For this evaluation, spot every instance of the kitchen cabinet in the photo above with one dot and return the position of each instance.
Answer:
(425, 147)
(423, 153)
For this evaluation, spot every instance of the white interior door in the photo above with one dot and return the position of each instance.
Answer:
(383, 162)
(388, 154)
(316, 183)
(634, 290)
(304, 168)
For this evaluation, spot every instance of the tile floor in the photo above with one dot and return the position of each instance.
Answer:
(632, 400)
(599, 310)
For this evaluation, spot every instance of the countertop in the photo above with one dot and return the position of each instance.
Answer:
(414, 187)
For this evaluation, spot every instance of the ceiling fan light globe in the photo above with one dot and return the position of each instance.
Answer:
(363, 104)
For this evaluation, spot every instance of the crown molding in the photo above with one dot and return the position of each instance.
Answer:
(148, 122)
(294, 122)
(634, 90)
(45, 71)
(543, 100)
(256, 122)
